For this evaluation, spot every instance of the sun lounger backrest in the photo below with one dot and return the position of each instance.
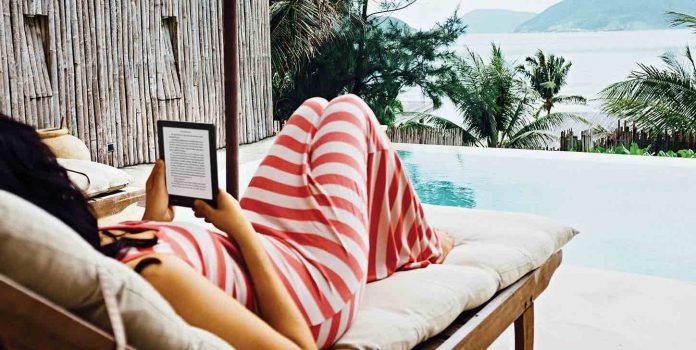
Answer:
(40, 253)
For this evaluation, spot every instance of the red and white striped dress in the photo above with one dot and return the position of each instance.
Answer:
(334, 210)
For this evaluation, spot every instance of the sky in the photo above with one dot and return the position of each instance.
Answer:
(424, 13)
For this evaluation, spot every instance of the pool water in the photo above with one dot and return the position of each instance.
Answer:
(635, 214)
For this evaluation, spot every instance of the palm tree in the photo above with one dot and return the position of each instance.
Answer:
(498, 107)
(658, 98)
(547, 76)
(300, 27)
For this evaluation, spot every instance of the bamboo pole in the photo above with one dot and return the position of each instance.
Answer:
(231, 30)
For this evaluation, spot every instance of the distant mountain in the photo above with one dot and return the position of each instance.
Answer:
(388, 22)
(598, 15)
(495, 21)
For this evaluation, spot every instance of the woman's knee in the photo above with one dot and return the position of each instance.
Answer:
(360, 108)
(315, 101)
(309, 111)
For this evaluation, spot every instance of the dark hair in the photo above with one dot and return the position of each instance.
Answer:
(29, 170)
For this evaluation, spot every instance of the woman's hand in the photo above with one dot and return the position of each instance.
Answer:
(227, 217)
(157, 206)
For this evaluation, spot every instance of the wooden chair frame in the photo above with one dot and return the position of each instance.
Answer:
(114, 203)
(480, 327)
(29, 321)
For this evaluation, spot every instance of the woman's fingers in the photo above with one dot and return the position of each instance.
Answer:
(158, 172)
(156, 177)
(148, 183)
(202, 207)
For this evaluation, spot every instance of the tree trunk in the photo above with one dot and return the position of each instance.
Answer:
(359, 61)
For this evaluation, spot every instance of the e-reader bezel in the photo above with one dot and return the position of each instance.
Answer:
(184, 201)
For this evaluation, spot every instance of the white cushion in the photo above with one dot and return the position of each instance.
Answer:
(95, 178)
(43, 254)
(493, 250)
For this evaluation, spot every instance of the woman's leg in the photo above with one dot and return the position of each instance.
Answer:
(319, 249)
(399, 235)
(337, 209)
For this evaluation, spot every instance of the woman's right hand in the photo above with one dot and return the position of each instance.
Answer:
(227, 217)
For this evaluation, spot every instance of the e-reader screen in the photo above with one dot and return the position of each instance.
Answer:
(188, 150)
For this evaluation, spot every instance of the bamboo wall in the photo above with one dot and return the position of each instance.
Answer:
(112, 68)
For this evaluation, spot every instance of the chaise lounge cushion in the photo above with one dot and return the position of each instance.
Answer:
(44, 255)
(493, 251)
(94, 178)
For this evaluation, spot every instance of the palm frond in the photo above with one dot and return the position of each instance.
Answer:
(681, 19)
(299, 28)
(427, 119)
(431, 121)
(539, 132)
(654, 98)
(532, 139)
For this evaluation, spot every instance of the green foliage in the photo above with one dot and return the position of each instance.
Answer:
(547, 76)
(658, 98)
(669, 153)
(686, 153)
(374, 58)
(298, 28)
(635, 150)
(498, 107)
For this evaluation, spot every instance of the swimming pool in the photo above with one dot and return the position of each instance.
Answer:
(635, 214)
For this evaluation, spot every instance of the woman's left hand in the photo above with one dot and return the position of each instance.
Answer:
(157, 206)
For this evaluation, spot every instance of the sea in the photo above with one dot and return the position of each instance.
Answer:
(599, 58)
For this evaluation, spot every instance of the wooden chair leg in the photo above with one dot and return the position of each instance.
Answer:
(524, 330)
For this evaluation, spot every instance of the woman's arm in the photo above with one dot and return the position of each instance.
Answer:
(204, 305)
(273, 300)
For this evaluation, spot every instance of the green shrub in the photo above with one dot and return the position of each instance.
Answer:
(635, 150)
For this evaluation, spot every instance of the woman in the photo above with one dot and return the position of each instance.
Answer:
(329, 210)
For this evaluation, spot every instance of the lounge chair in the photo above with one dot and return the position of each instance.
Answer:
(490, 281)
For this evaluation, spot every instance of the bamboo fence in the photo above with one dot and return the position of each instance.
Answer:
(625, 135)
(112, 68)
(453, 137)
(571, 142)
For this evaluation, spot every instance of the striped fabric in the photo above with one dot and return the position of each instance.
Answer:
(334, 210)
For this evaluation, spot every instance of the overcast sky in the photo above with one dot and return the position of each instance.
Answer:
(424, 13)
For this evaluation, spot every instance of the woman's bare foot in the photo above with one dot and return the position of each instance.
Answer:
(446, 244)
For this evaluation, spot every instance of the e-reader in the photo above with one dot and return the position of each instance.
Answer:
(188, 151)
